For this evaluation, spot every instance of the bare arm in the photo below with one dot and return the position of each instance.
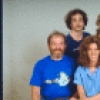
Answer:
(81, 92)
(74, 96)
(96, 97)
(83, 96)
(35, 92)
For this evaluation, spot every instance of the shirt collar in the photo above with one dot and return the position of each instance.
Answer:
(88, 71)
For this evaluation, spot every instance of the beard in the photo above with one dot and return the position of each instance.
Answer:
(57, 54)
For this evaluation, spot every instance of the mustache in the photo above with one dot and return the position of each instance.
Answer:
(57, 50)
(78, 26)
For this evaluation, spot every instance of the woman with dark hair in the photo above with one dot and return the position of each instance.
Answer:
(87, 75)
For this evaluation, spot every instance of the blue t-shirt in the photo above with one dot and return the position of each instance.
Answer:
(89, 81)
(72, 49)
(53, 76)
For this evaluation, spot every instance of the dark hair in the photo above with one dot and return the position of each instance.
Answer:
(83, 58)
(67, 18)
(98, 20)
(56, 33)
(98, 33)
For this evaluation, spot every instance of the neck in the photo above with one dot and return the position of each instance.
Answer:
(77, 35)
(92, 66)
(56, 57)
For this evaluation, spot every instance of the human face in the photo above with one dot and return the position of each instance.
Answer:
(93, 52)
(57, 47)
(77, 22)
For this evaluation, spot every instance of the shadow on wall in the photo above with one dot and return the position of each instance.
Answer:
(8, 94)
(21, 88)
(34, 53)
(15, 95)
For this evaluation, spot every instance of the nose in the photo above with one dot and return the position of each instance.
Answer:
(93, 52)
(57, 46)
(78, 22)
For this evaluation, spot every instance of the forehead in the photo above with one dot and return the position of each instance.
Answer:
(57, 38)
(93, 45)
(77, 15)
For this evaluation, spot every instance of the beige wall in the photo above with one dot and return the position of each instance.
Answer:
(26, 25)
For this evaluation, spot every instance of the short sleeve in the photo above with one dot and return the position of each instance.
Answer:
(36, 78)
(78, 76)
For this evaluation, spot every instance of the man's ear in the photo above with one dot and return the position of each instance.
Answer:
(65, 46)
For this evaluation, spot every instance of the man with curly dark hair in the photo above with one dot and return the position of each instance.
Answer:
(87, 75)
(75, 20)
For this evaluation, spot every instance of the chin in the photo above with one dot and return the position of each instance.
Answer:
(58, 54)
(93, 60)
(79, 29)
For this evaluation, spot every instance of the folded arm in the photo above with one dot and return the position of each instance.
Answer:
(83, 96)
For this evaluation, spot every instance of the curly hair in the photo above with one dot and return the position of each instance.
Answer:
(83, 58)
(68, 16)
(98, 20)
(98, 33)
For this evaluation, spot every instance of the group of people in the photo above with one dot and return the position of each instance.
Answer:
(71, 70)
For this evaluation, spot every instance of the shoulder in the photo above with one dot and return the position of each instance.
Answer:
(44, 58)
(98, 69)
(68, 35)
(80, 69)
(42, 61)
(69, 39)
(85, 34)
(69, 60)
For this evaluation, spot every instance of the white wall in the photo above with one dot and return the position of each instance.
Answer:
(26, 25)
